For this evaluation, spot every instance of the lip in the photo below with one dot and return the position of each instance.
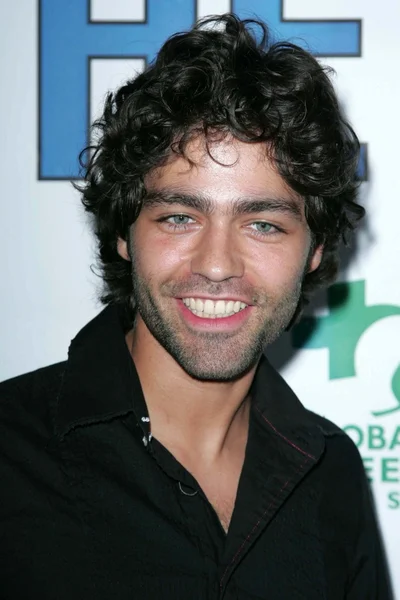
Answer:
(223, 324)
(216, 298)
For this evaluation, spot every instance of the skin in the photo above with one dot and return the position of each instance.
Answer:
(224, 227)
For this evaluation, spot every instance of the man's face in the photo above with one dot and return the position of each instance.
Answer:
(219, 252)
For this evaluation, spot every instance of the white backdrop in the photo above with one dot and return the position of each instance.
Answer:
(348, 370)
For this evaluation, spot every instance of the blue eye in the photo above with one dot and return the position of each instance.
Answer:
(178, 220)
(263, 227)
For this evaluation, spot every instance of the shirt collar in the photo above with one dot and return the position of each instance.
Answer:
(100, 382)
(277, 407)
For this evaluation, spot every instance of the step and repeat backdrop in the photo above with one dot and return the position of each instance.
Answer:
(58, 59)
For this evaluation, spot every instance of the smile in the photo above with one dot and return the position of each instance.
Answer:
(209, 309)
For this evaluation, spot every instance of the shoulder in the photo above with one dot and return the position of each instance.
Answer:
(32, 385)
(29, 399)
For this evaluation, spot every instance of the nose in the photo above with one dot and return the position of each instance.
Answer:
(217, 255)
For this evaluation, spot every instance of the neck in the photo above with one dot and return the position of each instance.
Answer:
(209, 417)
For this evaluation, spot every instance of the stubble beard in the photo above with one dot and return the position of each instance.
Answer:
(214, 356)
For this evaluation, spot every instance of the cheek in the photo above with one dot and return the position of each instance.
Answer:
(156, 256)
(278, 266)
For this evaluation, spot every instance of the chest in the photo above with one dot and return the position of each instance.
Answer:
(223, 503)
(221, 488)
(162, 548)
(119, 522)
(219, 482)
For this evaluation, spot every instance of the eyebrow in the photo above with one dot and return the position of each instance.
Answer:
(239, 206)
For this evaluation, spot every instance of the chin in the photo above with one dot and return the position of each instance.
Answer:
(213, 373)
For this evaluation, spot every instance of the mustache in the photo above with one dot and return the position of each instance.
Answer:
(197, 285)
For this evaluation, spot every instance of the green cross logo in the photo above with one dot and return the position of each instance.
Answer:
(341, 329)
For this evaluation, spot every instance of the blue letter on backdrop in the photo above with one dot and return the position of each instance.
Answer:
(68, 39)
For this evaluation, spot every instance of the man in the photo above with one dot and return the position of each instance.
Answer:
(166, 458)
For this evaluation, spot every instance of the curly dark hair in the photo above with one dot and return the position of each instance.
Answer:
(224, 75)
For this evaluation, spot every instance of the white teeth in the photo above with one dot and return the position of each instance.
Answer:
(199, 305)
(209, 309)
(220, 307)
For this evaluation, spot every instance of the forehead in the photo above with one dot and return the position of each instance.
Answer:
(222, 170)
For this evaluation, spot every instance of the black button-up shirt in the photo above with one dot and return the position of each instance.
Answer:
(93, 508)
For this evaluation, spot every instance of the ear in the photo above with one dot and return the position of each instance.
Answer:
(316, 258)
(122, 248)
